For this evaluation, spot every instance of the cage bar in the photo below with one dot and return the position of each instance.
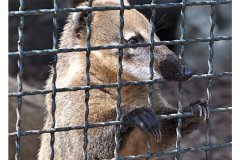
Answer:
(19, 81)
(20, 54)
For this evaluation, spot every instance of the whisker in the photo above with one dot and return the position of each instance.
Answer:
(163, 27)
(160, 21)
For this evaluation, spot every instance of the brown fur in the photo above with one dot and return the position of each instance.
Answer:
(71, 68)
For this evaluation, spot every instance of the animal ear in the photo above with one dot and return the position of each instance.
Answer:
(79, 21)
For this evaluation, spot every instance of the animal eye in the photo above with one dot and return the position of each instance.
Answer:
(132, 40)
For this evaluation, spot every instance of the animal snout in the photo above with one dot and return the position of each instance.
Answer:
(174, 68)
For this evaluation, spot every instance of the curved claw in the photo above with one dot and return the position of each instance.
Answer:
(200, 110)
(204, 112)
(208, 112)
(154, 134)
(159, 136)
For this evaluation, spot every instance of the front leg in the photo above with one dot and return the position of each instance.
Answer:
(135, 135)
(141, 122)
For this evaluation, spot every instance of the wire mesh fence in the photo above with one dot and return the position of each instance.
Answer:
(20, 54)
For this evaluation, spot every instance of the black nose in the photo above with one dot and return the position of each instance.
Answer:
(188, 72)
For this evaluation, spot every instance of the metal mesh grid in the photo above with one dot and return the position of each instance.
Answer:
(182, 41)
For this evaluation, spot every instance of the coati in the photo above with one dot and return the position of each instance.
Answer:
(141, 120)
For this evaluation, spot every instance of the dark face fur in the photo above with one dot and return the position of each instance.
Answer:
(166, 65)
(136, 61)
(173, 68)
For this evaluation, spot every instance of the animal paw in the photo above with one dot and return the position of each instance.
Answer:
(199, 109)
(145, 119)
